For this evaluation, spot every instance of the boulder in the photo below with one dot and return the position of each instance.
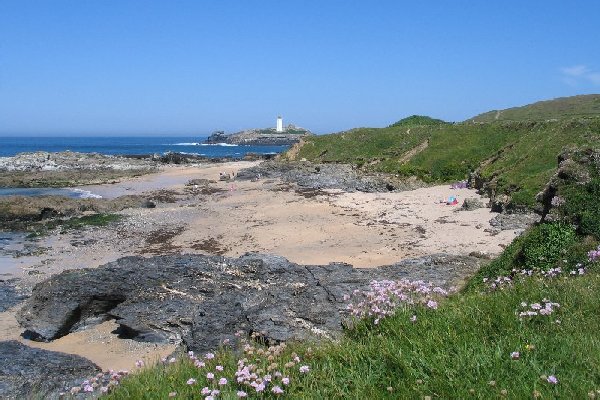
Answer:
(203, 300)
(472, 203)
(27, 372)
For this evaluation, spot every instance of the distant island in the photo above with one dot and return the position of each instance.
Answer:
(278, 136)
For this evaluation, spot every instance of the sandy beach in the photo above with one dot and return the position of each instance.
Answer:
(235, 217)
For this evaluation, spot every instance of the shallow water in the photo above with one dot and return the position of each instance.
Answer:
(12, 245)
(67, 192)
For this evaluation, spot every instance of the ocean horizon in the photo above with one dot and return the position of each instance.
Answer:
(129, 145)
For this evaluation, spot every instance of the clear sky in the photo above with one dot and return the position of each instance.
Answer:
(107, 67)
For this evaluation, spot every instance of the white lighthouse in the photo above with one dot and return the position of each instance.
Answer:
(279, 124)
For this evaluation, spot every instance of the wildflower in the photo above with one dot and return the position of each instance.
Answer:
(285, 380)
(260, 387)
(277, 390)
(304, 369)
(205, 390)
(191, 353)
(552, 379)
(172, 360)
(215, 392)
(515, 355)
(241, 393)
(199, 364)
(223, 381)
(104, 389)
(432, 304)
(413, 318)
(210, 397)
(210, 375)
(219, 368)
(172, 394)
(191, 381)
(88, 388)
(209, 356)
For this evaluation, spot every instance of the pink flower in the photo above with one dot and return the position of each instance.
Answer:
(205, 390)
(260, 387)
(139, 363)
(285, 380)
(219, 368)
(515, 355)
(191, 381)
(210, 375)
(88, 388)
(432, 304)
(209, 356)
(552, 379)
(304, 369)
(223, 381)
(241, 393)
(277, 390)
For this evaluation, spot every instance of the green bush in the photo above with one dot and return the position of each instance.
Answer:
(546, 244)
(582, 206)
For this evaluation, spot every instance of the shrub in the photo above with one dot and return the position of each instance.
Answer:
(546, 244)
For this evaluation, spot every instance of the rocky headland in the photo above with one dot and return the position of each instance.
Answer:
(260, 137)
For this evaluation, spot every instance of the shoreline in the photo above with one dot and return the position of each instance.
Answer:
(266, 216)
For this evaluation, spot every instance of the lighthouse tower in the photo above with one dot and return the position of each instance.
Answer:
(279, 124)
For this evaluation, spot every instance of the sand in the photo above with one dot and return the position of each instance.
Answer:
(268, 216)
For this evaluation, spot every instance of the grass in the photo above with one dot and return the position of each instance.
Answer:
(74, 223)
(564, 107)
(518, 157)
(461, 350)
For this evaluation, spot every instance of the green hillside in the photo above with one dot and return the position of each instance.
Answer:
(518, 157)
(563, 107)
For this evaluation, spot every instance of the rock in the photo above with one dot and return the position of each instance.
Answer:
(472, 203)
(326, 176)
(205, 299)
(513, 222)
(260, 137)
(27, 372)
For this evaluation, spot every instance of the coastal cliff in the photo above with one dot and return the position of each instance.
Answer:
(261, 137)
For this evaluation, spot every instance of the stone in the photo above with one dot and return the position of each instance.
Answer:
(202, 300)
(27, 372)
(472, 203)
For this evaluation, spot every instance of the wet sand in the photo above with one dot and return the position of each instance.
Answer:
(268, 216)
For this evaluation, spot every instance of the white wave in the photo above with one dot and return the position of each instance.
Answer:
(184, 144)
(219, 144)
(86, 194)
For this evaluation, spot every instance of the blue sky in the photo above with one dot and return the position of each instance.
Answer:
(111, 67)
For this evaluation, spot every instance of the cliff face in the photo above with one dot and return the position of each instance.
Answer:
(261, 137)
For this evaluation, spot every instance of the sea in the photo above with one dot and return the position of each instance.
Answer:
(9, 146)
(134, 145)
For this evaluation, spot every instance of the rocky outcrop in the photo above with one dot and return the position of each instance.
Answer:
(327, 176)
(27, 372)
(203, 300)
(575, 167)
(260, 137)
(472, 203)
(18, 212)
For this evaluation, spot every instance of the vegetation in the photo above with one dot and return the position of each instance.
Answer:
(525, 326)
(516, 158)
(575, 106)
(416, 120)
(65, 225)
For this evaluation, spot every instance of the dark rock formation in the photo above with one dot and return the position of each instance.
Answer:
(513, 222)
(575, 167)
(205, 299)
(26, 372)
(471, 203)
(260, 137)
(326, 176)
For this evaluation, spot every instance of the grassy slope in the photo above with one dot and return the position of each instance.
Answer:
(527, 150)
(461, 347)
(563, 107)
